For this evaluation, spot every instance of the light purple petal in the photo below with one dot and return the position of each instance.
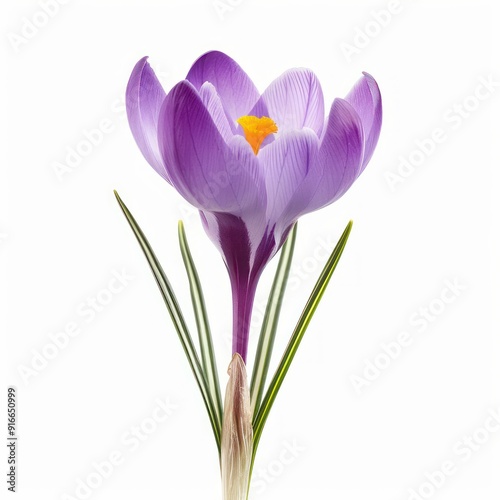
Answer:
(212, 102)
(209, 173)
(144, 98)
(294, 101)
(246, 180)
(365, 98)
(340, 155)
(287, 163)
(237, 92)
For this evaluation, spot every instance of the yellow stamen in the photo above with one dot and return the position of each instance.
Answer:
(257, 129)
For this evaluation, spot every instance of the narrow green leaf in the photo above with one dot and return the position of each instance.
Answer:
(177, 319)
(297, 335)
(270, 323)
(205, 337)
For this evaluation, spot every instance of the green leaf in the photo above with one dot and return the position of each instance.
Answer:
(270, 323)
(205, 337)
(177, 319)
(297, 335)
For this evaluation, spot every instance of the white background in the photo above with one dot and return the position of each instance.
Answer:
(63, 237)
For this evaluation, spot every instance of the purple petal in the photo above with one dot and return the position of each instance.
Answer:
(340, 155)
(294, 101)
(237, 92)
(144, 98)
(287, 163)
(209, 173)
(365, 98)
(212, 102)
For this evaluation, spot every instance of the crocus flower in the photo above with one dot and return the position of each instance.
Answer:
(251, 163)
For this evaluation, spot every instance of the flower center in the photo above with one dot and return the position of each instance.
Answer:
(257, 129)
